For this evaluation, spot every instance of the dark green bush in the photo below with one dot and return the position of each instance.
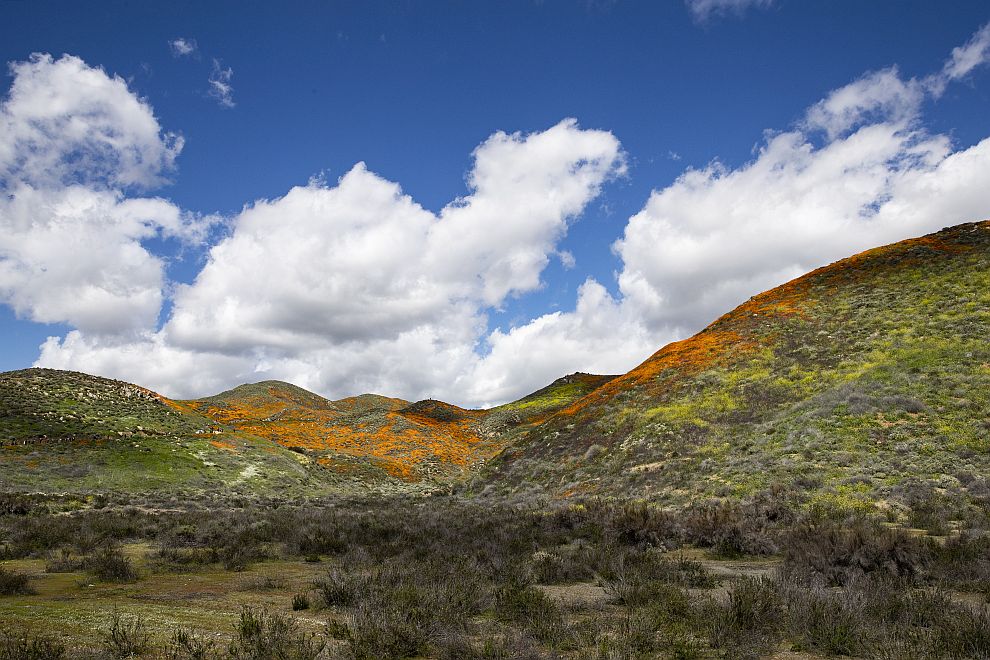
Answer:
(126, 638)
(261, 635)
(30, 647)
(108, 564)
(14, 584)
(300, 602)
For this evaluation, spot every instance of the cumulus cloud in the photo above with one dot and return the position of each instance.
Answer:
(73, 141)
(703, 10)
(858, 170)
(64, 122)
(600, 336)
(354, 286)
(182, 47)
(220, 88)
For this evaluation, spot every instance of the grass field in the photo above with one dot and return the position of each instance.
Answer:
(448, 579)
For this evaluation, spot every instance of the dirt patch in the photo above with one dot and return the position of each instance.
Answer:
(582, 595)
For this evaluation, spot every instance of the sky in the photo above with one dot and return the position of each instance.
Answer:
(457, 200)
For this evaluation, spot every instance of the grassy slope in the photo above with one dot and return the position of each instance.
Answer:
(380, 439)
(373, 438)
(63, 431)
(852, 383)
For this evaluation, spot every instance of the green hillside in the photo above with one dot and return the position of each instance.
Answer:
(865, 382)
(67, 432)
(48, 403)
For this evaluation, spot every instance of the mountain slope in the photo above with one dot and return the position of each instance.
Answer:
(63, 431)
(378, 437)
(369, 436)
(864, 381)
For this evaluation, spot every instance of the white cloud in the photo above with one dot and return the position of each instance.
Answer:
(972, 54)
(182, 47)
(74, 255)
(601, 336)
(716, 236)
(881, 96)
(70, 239)
(65, 122)
(354, 286)
(220, 88)
(703, 10)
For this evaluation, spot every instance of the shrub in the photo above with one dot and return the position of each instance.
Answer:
(30, 647)
(566, 564)
(838, 554)
(642, 578)
(535, 611)
(964, 633)
(62, 561)
(266, 582)
(640, 524)
(184, 645)
(750, 622)
(126, 639)
(386, 632)
(300, 602)
(828, 622)
(108, 564)
(262, 635)
(14, 584)
(338, 588)
(235, 557)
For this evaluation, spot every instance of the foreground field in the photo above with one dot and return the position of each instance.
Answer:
(441, 578)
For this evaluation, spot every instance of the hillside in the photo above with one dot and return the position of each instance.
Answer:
(62, 431)
(373, 437)
(863, 382)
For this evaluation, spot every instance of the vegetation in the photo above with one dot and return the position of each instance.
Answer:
(805, 476)
(448, 578)
(864, 383)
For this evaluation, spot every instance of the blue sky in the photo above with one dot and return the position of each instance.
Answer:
(412, 90)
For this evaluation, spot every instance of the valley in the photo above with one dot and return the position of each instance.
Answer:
(805, 477)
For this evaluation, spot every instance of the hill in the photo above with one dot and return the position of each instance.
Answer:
(378, 438)
(864, 382)
(63, 431)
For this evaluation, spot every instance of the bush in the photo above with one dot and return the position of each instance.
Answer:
(262, 636)
(185, 645)
(14, 584)
(750, 623)
(387, 632)
(62, 561)
(338, 588)
(33, 647)
(828, 622)
(108, 564)
(642, 578)
(126, 639)
(839, 554)
(300, 602)
(535, 611)
(567, 564)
